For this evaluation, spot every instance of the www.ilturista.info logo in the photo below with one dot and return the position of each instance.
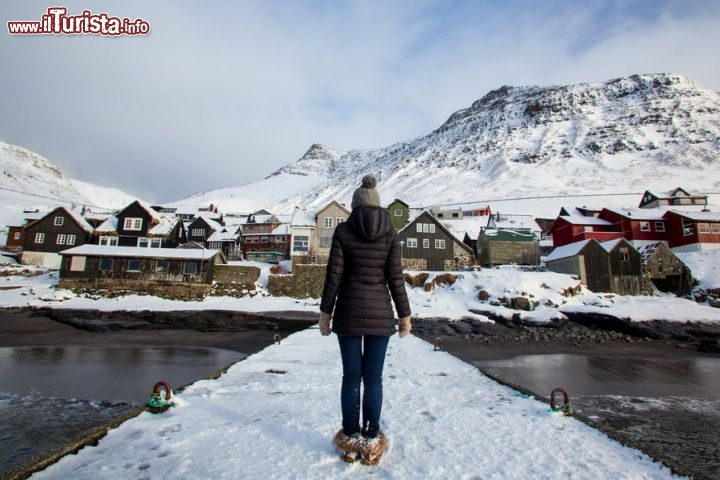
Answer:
(58, 22)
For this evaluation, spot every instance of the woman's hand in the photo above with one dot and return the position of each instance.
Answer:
(405, 326)
(325, 324)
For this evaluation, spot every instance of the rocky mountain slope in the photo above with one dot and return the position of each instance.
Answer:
(626, 135)
(30, 181)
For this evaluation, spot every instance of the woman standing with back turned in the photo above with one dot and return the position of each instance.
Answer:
(363, 275)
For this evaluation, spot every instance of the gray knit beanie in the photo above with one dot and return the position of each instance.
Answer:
(366, 195)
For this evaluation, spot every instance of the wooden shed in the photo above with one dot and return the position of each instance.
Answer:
(614, 266)
(665, 270)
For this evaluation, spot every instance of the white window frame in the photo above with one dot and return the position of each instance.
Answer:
(132, 223)
(325, 241)
(339, 220)
(419, 228)
(328, 222)
(40, 237)
(16, 236)
(58, 222)
(108, 240)
(703, 228)
(659, 226)
(60, 239)
(645, 227)
(198, 232)
(715, 228)
(71, 239)
(411, 243)
(426, 242)
(440, 244)
(398, 212)
(215, 245)
(301, 243)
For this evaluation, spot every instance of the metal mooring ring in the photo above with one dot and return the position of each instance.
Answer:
(166, 386)
(566, 407)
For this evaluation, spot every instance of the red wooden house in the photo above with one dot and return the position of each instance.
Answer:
(638, 226)
(693, 231)
(569, 229)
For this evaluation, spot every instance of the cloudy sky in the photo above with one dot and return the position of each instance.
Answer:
(223, 93)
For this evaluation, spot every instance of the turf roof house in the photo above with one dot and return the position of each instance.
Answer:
(181, 273)
(427, 245)
(139, 225)
(46, 237)
(509, 239)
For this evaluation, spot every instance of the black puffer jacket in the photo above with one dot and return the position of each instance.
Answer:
(363, 273)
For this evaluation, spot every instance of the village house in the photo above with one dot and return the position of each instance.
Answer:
(214, 236)
(503, 247)
(399, 214)
(260, 243)
(639, 226)
(303, 240)
(613, 266)
(427, 245)
(693, 231)
(46, 237)
(139, 225)
(327, 219)
(675, 197)
(166, 272)
(569, 229)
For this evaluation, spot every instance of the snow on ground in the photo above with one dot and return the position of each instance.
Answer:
(36, 287)
(444, 419)
(705, 267)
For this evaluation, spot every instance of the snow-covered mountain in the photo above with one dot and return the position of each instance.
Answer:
(30, 181)
(623, 136)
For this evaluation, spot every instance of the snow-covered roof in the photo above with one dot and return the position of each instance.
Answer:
(210, 222)
(583, 220)
(469, 225)
(698, 216)
(608, 245)
(652, 214)
(569, 250)
(512, 222)
(108, 226)
(135, 252)
(79, 220)
(282, 229)
(164, 226)
(222, 236)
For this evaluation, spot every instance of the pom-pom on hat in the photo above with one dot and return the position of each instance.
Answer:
(366, 195)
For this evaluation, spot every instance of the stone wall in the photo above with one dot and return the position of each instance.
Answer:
(234, 280)
(305, 281)
(116, 287)
(414, 263)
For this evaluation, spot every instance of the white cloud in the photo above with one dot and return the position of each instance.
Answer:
(224, 94)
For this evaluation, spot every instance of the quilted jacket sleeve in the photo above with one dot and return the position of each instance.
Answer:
(333, 275)
(395, 280)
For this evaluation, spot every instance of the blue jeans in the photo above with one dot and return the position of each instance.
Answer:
(363, 358)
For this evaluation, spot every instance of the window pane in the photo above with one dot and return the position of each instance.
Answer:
(133, 265)
(106, 264)
(191, 267)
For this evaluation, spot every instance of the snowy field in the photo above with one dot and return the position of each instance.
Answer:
(444, 419)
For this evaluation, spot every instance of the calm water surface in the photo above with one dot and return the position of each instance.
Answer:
(51, 394)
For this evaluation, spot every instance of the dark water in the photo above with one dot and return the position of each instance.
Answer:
(51, 394)
(667, 407)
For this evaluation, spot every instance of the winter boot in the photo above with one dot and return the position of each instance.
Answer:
(348, 445)
(372, 449)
